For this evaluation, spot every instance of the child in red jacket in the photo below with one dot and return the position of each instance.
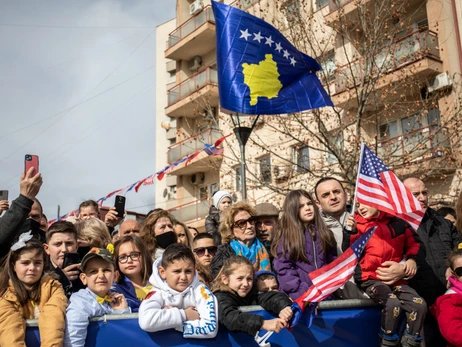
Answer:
(448, 307)
(393, 240)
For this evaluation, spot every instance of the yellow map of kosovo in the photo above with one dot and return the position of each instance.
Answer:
(262, 79)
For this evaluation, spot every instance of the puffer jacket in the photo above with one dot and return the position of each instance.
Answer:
(448, 312)
(50, 311)
(293, 275)
(439, 237)
(392, 240)
(154, 316)
(237, 321)
(212, 224)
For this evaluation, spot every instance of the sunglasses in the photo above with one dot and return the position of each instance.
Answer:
(242, 223)
(200, 251)
(458, 271)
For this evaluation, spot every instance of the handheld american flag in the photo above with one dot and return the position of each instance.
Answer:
(378, 187)
(331, 277)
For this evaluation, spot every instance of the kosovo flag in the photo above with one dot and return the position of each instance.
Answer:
(259, 70)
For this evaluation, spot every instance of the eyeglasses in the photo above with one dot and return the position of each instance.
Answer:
(458, 271)
(242, 224)
(133, 256)
(200, 251)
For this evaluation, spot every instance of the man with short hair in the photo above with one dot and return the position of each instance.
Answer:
(440, 237)
(130, 226)
(266, 220)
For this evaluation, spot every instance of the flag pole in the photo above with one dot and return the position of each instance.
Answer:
(357, 177)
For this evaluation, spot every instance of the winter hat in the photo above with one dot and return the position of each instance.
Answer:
(220, 195)
(266, 209)
(265, 272)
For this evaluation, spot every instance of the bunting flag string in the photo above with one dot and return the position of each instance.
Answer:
(210, 150)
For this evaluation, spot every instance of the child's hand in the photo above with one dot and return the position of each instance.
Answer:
(72, 272)
(191, 313)
(410, 268)
(286, 314)
(351, 222)
(276, 324)
(118, 301)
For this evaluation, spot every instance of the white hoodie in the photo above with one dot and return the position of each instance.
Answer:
(153, 317)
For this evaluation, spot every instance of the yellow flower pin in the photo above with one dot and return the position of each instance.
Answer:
(459, 246)
(110, 248)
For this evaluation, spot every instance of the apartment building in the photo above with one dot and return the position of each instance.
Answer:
(408, 116)
(189, 111)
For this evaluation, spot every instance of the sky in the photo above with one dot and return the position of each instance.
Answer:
(77, 88)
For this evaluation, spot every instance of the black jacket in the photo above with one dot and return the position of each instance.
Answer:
(11, 221)
(236, 321)
(212, 224)
(224, 252)
(69, 287)
(439, 237)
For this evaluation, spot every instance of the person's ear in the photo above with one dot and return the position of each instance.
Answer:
(46, 248)
(317, 203)
(162, 273)
(224, 279)
(116, 275)
(83, 278)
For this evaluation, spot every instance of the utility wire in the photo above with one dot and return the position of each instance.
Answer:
(73, 26)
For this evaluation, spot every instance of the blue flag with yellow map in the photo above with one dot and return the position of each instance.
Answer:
(259, 70)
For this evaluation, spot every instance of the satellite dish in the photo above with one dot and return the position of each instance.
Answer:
(164, 194)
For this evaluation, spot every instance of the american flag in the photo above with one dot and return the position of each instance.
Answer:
(378, 187)
(331, 277)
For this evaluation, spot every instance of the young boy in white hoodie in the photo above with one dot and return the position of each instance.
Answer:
(178, 300)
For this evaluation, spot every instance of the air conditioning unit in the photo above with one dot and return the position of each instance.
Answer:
(195, 63)
(439, 82)
(195, 7)
(198, 178)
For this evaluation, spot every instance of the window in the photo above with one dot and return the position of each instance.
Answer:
(327, 62)
(291, 10)
(265, 168)
(302, 158)
(336, 145)
(321, 3)
(237, 175)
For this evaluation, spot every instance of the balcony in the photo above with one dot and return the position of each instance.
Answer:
(192, 211)
(203, 162)
(184, 98)
(194, 37)
(414, 55)
(416, 146)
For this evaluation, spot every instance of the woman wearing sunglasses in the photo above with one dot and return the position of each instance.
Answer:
(237, 229)
(448, 307)
(134, 263)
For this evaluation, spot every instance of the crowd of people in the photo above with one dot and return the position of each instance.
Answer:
(176, 277)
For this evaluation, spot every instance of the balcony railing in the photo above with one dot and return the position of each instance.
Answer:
(406, 50)
(192, 84)
(192, 144)
(193, 210)
(336, 4)
(427, 142)
(188, 27)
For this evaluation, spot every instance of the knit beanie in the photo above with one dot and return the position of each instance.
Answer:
(220, 195)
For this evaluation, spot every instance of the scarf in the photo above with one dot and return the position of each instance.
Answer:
(455, 285)
(256, 253)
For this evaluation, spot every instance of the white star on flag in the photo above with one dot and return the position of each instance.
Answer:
(269, 41)
(292, 61)
(245, 34)
(258, 37)
(286, 54)
(278, 47)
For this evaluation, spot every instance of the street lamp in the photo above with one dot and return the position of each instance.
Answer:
(242, 134)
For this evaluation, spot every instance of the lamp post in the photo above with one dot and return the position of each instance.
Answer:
(242, 133)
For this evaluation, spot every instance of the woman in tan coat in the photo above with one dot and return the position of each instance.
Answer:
(26, 293)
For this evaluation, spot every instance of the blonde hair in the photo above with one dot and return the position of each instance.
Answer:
(227, 219)
(230, 265)
(94, 232)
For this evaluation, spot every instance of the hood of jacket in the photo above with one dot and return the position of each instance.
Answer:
(161, 284)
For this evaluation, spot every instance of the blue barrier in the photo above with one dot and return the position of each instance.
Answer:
(337, 323)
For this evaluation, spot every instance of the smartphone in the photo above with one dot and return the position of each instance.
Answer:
(71, 259)
(120, 205)
(31, 161)
(3, 194)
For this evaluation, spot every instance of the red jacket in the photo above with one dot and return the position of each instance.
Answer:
(392, 241)
(448, 312)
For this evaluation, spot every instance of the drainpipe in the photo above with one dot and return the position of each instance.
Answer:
(456, 25)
